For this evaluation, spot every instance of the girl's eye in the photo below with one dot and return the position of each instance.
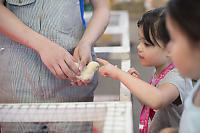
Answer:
(148, 44)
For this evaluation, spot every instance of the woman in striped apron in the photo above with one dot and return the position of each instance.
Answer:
(39, 42)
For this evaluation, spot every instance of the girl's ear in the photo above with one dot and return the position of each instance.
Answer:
(198, 43)
(168, 53)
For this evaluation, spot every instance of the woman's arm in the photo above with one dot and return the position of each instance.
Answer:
(56, 58)
(98, 22)
(13, 28)
(149, 95)
(94, 30)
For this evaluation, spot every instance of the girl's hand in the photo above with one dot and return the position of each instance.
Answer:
(133, 72)
(108, 70)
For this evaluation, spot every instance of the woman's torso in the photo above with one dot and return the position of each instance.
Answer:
(59, 20)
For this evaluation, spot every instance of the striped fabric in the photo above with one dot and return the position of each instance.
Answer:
(23, 76)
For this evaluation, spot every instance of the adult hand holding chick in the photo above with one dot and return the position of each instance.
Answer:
(83, 56)
(88, 71)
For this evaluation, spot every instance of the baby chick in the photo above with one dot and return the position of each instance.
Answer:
(88, 71)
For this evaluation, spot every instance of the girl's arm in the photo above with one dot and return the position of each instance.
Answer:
(149, 95)
(56, 58)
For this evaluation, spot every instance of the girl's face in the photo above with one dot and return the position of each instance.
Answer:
(150, 55)
(185, 56)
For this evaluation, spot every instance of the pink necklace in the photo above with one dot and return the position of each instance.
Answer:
(147, 111)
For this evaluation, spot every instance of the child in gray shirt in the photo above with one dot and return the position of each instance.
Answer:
(164, 95)
(170, 115)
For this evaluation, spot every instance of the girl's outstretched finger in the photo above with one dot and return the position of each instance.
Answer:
(102, 61)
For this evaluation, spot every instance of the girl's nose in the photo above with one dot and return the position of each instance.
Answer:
(139, 47)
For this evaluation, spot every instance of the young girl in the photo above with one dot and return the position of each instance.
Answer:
(183, 21)
(166, 90)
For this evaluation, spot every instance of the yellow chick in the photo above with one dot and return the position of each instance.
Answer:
(88, 71)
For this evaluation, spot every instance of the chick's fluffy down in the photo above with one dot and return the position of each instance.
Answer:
(88, 71)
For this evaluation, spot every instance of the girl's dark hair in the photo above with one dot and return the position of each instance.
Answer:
(186, 13)
(154, 26)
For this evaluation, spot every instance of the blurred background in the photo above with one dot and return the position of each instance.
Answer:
(122, 32)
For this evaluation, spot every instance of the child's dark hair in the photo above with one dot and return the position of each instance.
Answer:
(154, 26)
(186, 14)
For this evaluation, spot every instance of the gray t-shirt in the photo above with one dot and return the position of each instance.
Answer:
(170, 115)
(190, 118)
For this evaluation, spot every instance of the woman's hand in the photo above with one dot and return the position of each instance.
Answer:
(82, 54)
(59, 61)
(108, 70)
(133, 72)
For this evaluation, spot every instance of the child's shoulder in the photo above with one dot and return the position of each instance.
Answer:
(183, 84)
(173, 75)
(175, 78)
